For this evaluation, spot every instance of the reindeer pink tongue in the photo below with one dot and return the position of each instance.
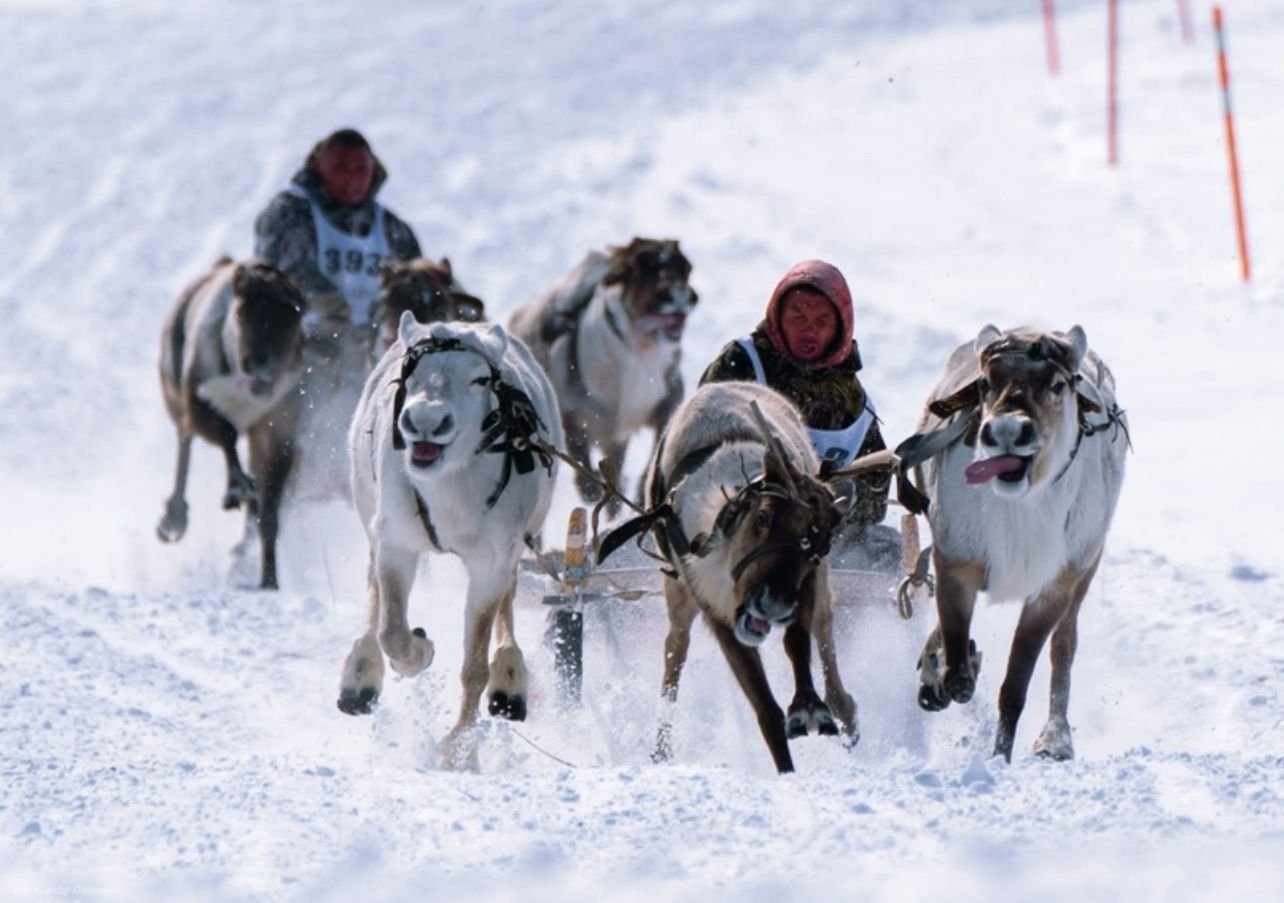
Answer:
(987, 469)
(671, 324)
(425, 452)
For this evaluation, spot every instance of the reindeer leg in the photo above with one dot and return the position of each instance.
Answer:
(409, 652)
(508, 677)
(1038, 617)
(807, 714)
(362, 678)
(578, 447)
(1054, 741)
(220, 431)
(818, 618)
(682, 611)
(272, 459)
(746, 665)
(459, 749)
(615, 453)
(174, 524)
(957, 584)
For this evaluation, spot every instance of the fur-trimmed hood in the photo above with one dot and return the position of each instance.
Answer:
(309, 178)
(826, 279)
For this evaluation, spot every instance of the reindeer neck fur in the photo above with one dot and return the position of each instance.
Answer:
(698, 500)
(619, 375)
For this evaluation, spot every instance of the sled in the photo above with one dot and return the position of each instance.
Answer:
(567, 581)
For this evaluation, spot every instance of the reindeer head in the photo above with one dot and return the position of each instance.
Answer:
(445, 392)
(652, 275)
(426, 288)
(1028, 416)
(263, 335)
(771, 536)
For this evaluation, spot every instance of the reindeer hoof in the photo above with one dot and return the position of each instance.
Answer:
(1054, 743)
(589, 490)
(239, 492)
(511, 707)
(358, 702)
(810, 718)
(959, 685)
(174, 524)
(930, 698)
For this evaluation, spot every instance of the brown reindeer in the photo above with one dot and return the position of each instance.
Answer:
(230, 357)
(1022, 489)
(427, 289)
(609, 336)
(746, 529)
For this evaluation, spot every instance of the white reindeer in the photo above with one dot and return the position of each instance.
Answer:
(1021, 500)
(442, 461)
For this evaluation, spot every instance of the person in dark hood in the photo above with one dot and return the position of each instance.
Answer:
(327, 232)
(804, 349)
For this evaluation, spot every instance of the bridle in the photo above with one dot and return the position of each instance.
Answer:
(663, 518)
(813, 543)
(967, 402)
(509, 429)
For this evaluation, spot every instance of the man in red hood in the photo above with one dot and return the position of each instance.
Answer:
(327, 232)
(804, 349)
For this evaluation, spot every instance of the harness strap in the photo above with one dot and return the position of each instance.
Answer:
(671, 540)
(422, 507)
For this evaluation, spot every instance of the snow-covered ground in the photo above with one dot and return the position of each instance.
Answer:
(166, 735)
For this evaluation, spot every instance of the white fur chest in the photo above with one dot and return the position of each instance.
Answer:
(626, 380)
(230, 395)
(1023, 542)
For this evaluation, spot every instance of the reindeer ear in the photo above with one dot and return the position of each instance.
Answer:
(988, 335)
(406, 328)
(239, 276)
(496, 341)
(1078, 340)
(388, 271)
(445, 265)
(775, 468)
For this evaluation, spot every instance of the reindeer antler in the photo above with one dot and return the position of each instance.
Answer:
(773, 443)
(884, 459)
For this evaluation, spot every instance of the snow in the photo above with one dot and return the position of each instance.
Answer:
(170, 736)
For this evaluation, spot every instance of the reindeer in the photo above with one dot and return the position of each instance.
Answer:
(427, 289)
(448, 455)
(746, 527)
(230, 356)
(1033, 415)
(609, 336)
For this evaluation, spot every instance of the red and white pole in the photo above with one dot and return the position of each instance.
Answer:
(1112, 83)
(1050, 36)
(1224, 72)
(1187, 26)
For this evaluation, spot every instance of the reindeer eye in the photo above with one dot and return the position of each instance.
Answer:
(1058, 387)
(762, 519)
(482, 381)
(983, 385)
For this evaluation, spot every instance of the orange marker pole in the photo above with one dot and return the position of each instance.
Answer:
(1224, 73)
(1050, 35)
(1187, 27)
(1112, 83)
